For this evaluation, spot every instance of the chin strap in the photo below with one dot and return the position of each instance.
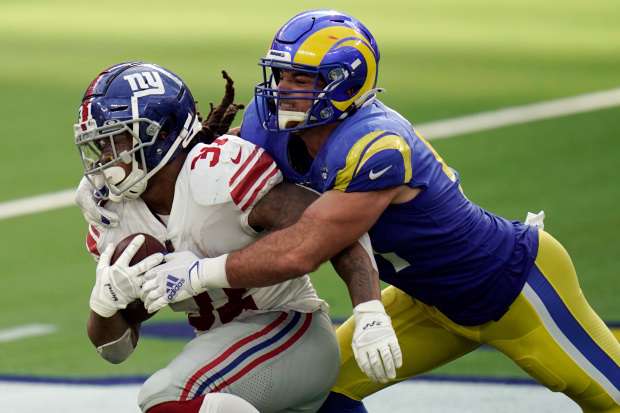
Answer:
(367, 97)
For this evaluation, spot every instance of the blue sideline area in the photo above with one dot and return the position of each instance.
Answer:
(122, 380)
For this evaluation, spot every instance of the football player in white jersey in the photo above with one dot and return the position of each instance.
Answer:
(137, 134)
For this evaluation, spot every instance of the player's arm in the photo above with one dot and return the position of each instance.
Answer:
(116, 337)
(331, 223)
(325, 229)
(113, 337)
(115, 314)
(281, 208)
(356, 267)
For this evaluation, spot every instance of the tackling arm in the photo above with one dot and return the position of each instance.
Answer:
(357, 268)
(281, 208)
(280, 211)
(325, 228)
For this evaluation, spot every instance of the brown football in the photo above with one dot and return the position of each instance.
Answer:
(135, 312)
(151, 246)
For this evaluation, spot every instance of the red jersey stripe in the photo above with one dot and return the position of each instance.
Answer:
(192, 380)
(94, 230)
(249, 180)
(91, 244)
(292, 340)
(259, 188)
(244, 165)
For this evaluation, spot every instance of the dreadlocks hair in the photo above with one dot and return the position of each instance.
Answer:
(221, 116)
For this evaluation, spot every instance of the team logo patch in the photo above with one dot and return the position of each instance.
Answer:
(144, 80)
(173, 285)
(375, 175)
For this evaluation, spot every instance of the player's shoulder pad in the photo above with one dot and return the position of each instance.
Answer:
(376, 160)
(251, 128)
(231, 169)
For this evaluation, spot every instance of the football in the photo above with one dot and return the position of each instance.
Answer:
(151, 246)
(135, 312)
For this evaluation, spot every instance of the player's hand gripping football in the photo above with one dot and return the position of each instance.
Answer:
(375, 345)
(89, 200)
(118, 284)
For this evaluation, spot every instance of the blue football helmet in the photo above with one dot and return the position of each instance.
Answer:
(334, 48)
(146, 102)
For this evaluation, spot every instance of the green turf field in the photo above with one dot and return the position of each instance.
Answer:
(438, 60)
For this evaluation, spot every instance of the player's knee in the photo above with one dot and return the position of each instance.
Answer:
(542, 374)
(225, 403)
(156, 390)
(339, 403)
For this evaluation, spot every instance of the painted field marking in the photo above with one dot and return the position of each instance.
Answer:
(34, 204)
(26, 330)
(432, 130)
(412, 395)
(521, 114)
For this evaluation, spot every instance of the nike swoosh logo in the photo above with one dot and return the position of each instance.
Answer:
(237, 158)
(374, 175)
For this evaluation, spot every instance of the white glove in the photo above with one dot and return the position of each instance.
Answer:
(181, 276)
(535, 220)
(375, 345)
(119, 284)
(88, 199)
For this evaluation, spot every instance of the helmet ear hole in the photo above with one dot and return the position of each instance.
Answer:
(167, 128)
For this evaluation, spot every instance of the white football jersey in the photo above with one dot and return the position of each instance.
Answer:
(215, 191)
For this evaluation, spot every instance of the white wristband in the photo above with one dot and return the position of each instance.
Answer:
(213, 272)
(372, 306)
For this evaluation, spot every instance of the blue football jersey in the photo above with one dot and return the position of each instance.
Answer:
(440, 247)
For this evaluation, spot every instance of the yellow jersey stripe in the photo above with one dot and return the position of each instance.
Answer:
(364, 149)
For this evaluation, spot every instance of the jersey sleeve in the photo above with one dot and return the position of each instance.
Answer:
(232, 170)
(378, 160)
(92, 242)
(251, 129)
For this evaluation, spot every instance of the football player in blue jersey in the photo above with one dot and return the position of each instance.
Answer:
(460, 276)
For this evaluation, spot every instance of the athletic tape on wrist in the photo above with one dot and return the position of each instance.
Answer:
(213, 272)
(372, 306)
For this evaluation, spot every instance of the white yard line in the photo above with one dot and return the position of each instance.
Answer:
(520, 114)
(39, 203)
(24, 331)
(432, 130)
(409, 396)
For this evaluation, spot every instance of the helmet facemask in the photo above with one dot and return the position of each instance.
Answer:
(330, 45)
(91, 140)
(320, 112)
(143, 116)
